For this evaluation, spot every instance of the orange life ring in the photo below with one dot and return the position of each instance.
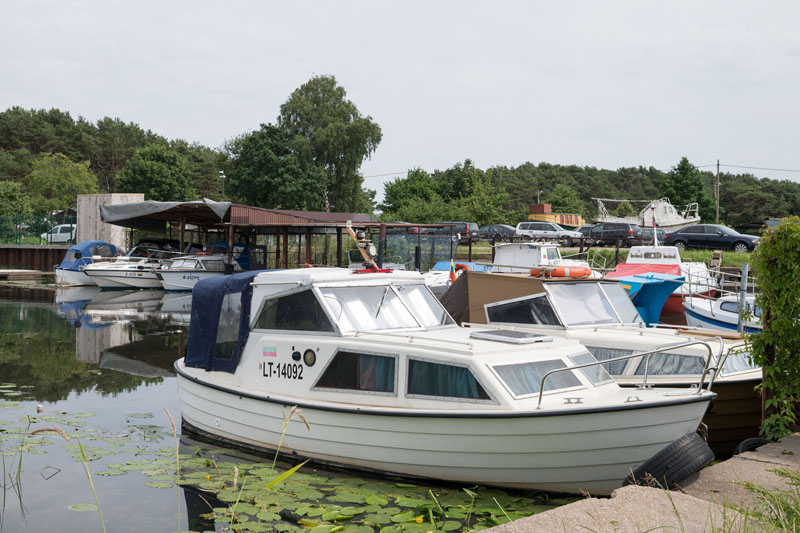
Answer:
(308, 265)
(563, 272)
(461, 266)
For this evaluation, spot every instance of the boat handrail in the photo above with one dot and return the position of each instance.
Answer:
(647, 354)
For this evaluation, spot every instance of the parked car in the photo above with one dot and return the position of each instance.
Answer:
(546, 230)
(410, 228)
(647, 235)
(585, 230)
(714, 236)
(61, 234)
(611, 232)
(503, 232)
(467, 230)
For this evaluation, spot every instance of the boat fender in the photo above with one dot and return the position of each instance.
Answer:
(750, 445)
(673, 463)
(563, 272)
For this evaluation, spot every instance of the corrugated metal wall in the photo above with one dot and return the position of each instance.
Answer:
(32, 257)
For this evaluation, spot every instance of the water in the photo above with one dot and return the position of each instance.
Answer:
(100, 365)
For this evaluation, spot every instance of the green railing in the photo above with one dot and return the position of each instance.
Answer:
(38, 229)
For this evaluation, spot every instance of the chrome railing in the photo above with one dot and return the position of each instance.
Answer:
(659, 349)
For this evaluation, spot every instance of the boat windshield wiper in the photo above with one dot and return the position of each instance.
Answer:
(385, 291)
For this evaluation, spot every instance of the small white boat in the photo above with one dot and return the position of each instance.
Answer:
(387, 382)
(182, 273)
(134, 270)
(669, 218)
(542, 256)
(722, 313)
(70, 271)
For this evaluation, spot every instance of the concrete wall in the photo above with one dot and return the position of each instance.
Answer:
(90, 227)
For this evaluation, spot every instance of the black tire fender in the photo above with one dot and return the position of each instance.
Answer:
(673, 463)
(749, 445)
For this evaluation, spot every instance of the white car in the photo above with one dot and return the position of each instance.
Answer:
(546, 230)
(60, 234)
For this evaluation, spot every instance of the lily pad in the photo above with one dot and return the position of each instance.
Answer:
(84, 507)
(110, 473)
(159, 484)
(139, 415)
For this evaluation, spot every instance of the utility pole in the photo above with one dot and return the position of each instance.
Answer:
(537, 196)
(222, 177)
(716, 194)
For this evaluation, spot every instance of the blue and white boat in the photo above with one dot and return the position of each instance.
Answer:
(70, 271)
(723, 313)
(649, 292)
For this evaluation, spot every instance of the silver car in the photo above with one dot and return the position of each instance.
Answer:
(547, 230)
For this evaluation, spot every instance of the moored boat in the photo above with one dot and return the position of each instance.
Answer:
(70, 270)
(183, 273)
(387, 382)
(135, 270)
(723, 313)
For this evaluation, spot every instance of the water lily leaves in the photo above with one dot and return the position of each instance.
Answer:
(139, 415)
(347, 497)
(405, 516)
(267, 516)
(412, 502)
(83, 415)
(83, 507)
(159, 484)
(374, 499)
(114, 472)
(450, 525)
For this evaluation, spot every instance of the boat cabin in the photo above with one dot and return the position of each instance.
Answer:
(374, 339)
(521, 257)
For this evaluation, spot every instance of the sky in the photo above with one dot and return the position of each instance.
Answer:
(606, 84)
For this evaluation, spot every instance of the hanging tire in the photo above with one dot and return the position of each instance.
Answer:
(674, 463)
(750, 445)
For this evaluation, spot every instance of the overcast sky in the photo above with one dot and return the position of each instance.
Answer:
(605, 84)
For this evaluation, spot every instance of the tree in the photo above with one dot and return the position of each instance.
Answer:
(265, 172)
(328, 131)
(112, 144)
(459, 181)
(564, 199)
(416, 186)
(55, 182)
(684, 185)
(13, 200)
(625, 209)
(158, 172)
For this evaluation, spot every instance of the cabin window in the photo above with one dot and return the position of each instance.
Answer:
(617, 368)
(102, 250)
(583, 304)
(672, 364)
(425, 305)
(215, 266)
(368, 308)
(299, 311)
(448, 381)
(228, 326)
(552, 254)
(622, 303)
(596, 374)
(359, 371)
(738, 361)
(71, 256)
(529, 311)
(731, 307)
(524, 379)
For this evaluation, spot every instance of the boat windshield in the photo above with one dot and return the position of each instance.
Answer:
(368, 308)
(586, 304)
(427, 308)
(738, 361)
(184, 263)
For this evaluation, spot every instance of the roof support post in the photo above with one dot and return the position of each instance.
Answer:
(339, 247)
(285, 247)
(229, 268)
(183, 233)
(309, 259)
(277, 247)
(381, 245)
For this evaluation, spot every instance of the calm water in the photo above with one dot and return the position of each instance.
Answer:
(100, 365)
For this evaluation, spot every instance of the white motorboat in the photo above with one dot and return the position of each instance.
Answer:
(542, 257)
(600, 316)
(387, 382)
(723, 313)
(134, 270)
(70, 271)
(182, 273)
(669, 218)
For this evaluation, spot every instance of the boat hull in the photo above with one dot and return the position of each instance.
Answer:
(698, 314)
(65, 277)
(176, 280)
(125, 279)
(589, 450)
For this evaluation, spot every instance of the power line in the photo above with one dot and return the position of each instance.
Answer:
(384, 175)
(760, 168)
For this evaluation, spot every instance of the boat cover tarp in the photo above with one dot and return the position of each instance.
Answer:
(81, 254)
(204, 349)
(631, 269)
(465, 298)
(152, 215)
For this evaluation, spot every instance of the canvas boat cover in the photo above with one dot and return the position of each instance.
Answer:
(152, 215)
(632, 269)
(81, 254)
(465, 298)
(220, 321)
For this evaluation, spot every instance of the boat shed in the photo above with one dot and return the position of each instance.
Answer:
(245, 223)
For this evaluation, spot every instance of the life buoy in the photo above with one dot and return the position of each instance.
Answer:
(308, 265)
(563, 272)
(461, 266)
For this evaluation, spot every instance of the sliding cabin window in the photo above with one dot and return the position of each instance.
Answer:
(299, 311)
(448, 381)
(616, 368)
(596, 374)
(525, 379)
(536, 310)
(359, 372)
(228, 326)
(672, 364)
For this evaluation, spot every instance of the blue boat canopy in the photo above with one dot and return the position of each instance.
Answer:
(220, 321)
(81, 254)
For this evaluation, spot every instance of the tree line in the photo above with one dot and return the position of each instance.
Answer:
(309, 158)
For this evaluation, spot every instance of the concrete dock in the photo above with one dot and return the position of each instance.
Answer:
(711, 500)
